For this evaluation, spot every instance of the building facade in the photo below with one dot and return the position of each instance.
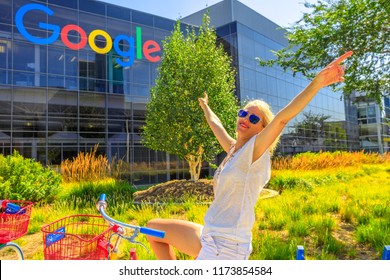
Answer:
(77, 73)
(374, 123)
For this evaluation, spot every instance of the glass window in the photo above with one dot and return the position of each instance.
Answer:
(164, 23)
(142, 18)
(71, 62)
(5, 30)
(30, 102)
(5, 54)
(282, 89)
(100, 85)
(362, 113)
(160, 35)
(25, 79)
(259, 38)
(62, 16)
(66, 3)
(90, 22)
(271, 71)
(247, 47)
(55, 81)
(71, 83)
(118, 12)
(140, 90)
(42, 81)
(24, 56)
(387, 102)
(249, 79)
(42, 67)
(83, 64)
(32, 18)
(5, 76)
(63, 105)
(6, 12)
(371, 112)
(91, 6)
(247, 61)
(246, 31)
(5, 112)
(56, 58)
(96, 65)
(147, 32)
(141, 73)
(117, 126)
(272, 86)
(116, 107)
(92, 115)
(261, 83)
(92, 105)
(118, 27)
(153, 73)
(233, 27)
(116, 87)
(83, 84)
(223, 30)
(33, 32)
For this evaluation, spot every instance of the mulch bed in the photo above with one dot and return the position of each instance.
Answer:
(177, 191)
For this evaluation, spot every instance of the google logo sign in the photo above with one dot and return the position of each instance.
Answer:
(148, 49)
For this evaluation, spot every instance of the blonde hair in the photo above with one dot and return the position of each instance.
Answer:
(268, 116)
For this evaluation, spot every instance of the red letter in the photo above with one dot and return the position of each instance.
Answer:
(64, 37)
(149, 47)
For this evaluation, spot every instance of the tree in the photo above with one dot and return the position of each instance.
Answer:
(334, 27)
(335, 136)
(191, 64)
(316, 130)
(311, 127)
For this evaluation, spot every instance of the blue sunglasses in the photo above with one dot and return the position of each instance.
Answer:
(252, 118)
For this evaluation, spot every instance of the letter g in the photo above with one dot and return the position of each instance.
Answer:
(22, 29)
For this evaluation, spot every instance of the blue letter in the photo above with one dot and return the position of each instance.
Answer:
(22, 29)
(130, 53)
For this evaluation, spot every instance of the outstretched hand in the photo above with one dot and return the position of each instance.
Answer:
(333, 72)
(203, 101)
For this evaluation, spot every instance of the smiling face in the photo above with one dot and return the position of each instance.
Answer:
(245, 129)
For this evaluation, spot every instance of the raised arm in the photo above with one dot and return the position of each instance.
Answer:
(215, 124)
(331, 74)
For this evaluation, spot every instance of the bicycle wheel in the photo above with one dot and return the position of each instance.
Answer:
(11, 251)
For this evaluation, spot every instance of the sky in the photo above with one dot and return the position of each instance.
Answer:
(281, 12)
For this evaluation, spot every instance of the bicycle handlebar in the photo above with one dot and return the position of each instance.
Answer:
(102, 205)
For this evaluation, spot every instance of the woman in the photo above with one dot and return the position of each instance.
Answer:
(227, 230)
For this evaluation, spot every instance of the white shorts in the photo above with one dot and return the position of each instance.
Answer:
(220, 248)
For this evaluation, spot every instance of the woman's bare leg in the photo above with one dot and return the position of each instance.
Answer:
(183, 235)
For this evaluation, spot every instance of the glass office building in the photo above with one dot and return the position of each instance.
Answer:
(78, 73)
(374, 123)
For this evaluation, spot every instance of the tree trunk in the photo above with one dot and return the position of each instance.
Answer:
(195, 164)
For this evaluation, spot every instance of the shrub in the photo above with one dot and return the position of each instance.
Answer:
(281, 183)
(322, 160)
(86, 167)
(25, 179)
(86, 194)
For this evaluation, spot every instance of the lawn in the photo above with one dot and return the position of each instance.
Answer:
(336, 212)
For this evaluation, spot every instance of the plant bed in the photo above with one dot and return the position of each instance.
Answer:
(180, 191)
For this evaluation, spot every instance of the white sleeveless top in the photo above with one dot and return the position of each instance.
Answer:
(237, 186)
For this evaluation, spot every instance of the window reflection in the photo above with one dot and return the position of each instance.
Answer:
(56, 56)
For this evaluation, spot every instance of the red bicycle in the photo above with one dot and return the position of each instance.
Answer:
(89, 237)
(14, 219)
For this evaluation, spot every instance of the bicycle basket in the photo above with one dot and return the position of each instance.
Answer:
(14, 224)
(76, 237)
